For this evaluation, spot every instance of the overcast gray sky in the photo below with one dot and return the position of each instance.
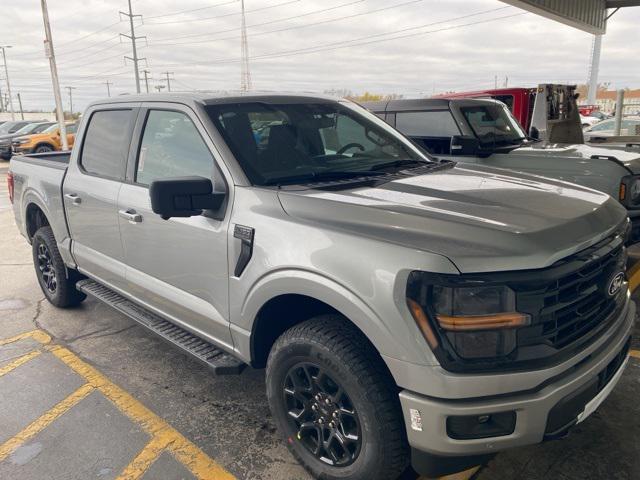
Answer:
(409, 47)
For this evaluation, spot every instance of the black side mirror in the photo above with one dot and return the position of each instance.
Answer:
(464, 145)
(184, 196)
(534, 133)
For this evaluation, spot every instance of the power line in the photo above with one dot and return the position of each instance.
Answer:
(312, 24)
(289, 2)
(133, 39)
(278, 20)
(181, 12)
(90, 34)
(364, 40)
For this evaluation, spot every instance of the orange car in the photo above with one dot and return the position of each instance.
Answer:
(47, 141)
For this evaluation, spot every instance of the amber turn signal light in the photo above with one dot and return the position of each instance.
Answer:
(483, 322)
(423, 322)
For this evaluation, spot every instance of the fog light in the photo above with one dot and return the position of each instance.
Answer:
(487, 425)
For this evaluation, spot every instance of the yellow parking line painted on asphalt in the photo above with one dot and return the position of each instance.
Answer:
(37, 335)
(18, 361)
(466, 475)
(146, 457)
(635, 353)
(633, 274)
(41, 423)
(198, 462)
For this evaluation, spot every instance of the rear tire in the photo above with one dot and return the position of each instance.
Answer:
(326, 371)
(57, 283)
(43, 149)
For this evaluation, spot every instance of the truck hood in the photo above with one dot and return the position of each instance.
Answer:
(629, 157)
(479, 218)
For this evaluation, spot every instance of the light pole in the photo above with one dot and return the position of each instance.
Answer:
(6, 74)
(48, 46)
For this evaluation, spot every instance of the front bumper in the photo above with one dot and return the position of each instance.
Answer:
(533, 409)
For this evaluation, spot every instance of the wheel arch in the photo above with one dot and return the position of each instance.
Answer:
(34, 218)
(292, 297)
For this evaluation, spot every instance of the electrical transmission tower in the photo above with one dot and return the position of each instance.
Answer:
(133, 39)
(245, 74)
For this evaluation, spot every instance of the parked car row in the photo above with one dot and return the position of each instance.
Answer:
(408, 307)
(32, 137)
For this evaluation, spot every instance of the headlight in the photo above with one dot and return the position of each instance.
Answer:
(629, 193)
(471, 321)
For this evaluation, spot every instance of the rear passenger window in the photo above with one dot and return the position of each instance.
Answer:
(172, 147)
(105, 148)
(427, 124)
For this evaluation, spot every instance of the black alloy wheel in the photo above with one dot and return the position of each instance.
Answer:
(320, 410)
(46, 269)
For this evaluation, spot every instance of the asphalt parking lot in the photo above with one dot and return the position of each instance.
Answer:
(86, 393)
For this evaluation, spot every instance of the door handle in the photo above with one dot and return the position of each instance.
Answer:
(131, 215)
(75, 199)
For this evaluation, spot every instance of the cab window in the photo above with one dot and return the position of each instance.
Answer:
(104, 152)
(171, 147)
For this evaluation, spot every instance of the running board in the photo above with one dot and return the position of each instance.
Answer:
(221, 362)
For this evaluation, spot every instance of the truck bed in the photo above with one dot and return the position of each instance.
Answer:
(38, 181)
(58, 160)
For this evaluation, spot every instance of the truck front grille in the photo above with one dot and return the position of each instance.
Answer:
(575, 305)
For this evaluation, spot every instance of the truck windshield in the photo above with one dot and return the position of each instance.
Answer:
(493, 125)
(293, 143)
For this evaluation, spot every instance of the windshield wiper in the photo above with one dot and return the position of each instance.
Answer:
(314, 177)
(398, 163)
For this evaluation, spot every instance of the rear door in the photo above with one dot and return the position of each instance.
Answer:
(176, 267)
(91, 189)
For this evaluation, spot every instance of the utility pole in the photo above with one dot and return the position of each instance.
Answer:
(168, 80)
(1, 101)
(6, 75)
(146, 78)
(596, 49)
(108, 83)
(70, 99)
(133, 39)
(245, 74)
(48, 47)
(20, 104)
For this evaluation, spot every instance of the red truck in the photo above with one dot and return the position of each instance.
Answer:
(548, 112)
(519, 100)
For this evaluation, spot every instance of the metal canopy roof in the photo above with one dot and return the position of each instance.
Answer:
(587, 15)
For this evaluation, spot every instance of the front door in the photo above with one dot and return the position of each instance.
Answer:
(176, 267)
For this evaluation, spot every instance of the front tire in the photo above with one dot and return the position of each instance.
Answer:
(58, 286)
(335, 402)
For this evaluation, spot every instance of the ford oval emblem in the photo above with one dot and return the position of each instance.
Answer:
(615, 284)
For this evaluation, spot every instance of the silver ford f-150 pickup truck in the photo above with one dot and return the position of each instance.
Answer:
(405, 308)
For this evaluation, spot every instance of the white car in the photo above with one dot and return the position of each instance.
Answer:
(588, 121)
(605, 128)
